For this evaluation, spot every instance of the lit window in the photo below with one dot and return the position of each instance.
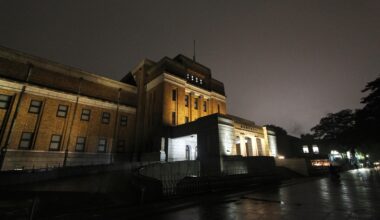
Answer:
(187, 76)
(305, 149)
(196, 79)
(196, 103)
(192, 78)
(85, 115)
(200, 81)
(102, 145)
(62, 111)
(4, 101)
(81, 143)
(106, 117)
(315, 149)
(35, 106)
(186, 100)
(55, 142)
(26, 140)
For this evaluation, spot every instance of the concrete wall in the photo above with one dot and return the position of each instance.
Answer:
(261, 165)
(173, 170)
(25, 159)
(298, 165)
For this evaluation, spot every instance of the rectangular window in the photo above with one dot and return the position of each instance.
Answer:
(106, 117)
(85, 116)
(62, 111)
(120, 146)
(55, 142)
(305, 149)
(174, 94)
(173, 118)
(4, 101)
(123, 120)
(315, 149)
(81, 143)
(186, 119)
(196, 103)
(35, 106)
(186, 100)
(218, 108)
(204, 106)
(26, 140)
(259, 147)
(102, 145)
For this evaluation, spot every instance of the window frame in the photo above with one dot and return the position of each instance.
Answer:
(77, 143)
(31, 105)
(5, 102)
(55, 142)
(187, 98)
(124, 121)
(174, 95)
(174, 118)
(196, 103)
(105, 145)
(120, 146)
(106, 119)
(88, 115)
(64, 111)
(23, 139)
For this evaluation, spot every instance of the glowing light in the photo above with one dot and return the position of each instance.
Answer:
(320, 163)
(315, 149)
(305, 149)
(348, 154)
(281, 157)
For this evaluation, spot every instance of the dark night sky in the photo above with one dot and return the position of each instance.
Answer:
(282, 62)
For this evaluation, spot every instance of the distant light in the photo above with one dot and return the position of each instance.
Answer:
(281, 157)
(348, 154)
(315, 149)
(367, 155)
(305, 149)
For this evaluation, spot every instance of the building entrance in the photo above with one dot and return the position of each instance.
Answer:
(183, 148)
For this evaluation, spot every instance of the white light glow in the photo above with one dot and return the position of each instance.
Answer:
(305, 149)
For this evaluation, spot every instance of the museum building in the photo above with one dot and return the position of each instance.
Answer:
(170, 110)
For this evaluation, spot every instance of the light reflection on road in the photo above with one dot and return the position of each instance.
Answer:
(355, 195)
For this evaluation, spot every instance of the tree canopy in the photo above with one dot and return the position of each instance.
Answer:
(354, 128)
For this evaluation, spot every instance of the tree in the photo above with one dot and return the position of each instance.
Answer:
(336, 129)
(369, 116)
(278, 130)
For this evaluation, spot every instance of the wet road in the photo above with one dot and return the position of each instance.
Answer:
(355, 196)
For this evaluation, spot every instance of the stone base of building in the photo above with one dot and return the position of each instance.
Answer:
(29, 159)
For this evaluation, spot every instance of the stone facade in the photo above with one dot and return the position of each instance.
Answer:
(50, 111)
(54, 115)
